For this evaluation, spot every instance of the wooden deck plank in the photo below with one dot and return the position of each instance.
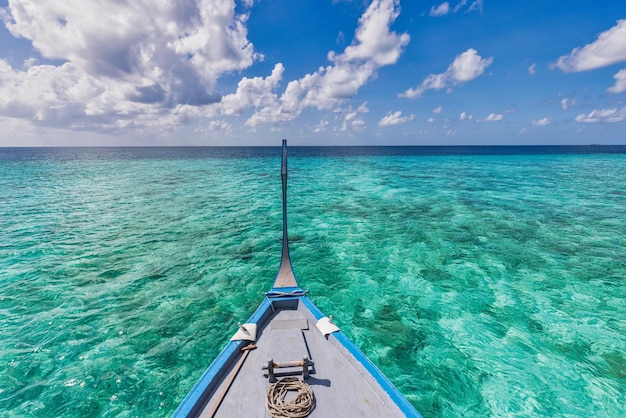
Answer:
(341, 387)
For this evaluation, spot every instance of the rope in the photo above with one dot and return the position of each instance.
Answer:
(300, 406)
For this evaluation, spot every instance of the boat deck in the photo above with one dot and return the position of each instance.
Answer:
(341, 385)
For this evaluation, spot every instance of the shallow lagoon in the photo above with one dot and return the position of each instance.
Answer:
(480, 284)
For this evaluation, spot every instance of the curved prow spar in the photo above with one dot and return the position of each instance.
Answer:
(285, 277)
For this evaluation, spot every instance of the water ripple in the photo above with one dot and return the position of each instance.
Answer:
(481, 285)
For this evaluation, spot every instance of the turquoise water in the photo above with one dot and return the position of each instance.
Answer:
(482, 285)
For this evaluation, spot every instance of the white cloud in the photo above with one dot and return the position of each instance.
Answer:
(469, 65)
(354, 125)
(532, 70)
(124, 64)
(444, 8)
(609, 48)
(542, 122)
(363, 108)
(466, 67)
(438, 110)
(341, 38)
(603, 115)
(255, 92)
(350, 120)
(395, 118)
(157, 63)
(374, 42)
(430, 120)
(493, 117)
(476, 5)
(567, 104)
(220, 125)
(620, 82)
(30, 62)
(374, 46)
(441, 10)
(465, 116)
(62, 96)
(321, 126)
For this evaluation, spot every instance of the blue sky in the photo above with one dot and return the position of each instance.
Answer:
(323, 72)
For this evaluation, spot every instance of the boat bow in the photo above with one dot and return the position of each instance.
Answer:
(285, 280)
(289, 335)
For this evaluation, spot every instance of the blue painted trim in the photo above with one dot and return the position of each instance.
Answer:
(263, 307)
(194, 396)
(312, 308)
(396, 396)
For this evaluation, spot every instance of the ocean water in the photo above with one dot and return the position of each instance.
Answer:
(481, 281)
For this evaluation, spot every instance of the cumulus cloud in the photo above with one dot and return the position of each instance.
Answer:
(353, 124)
(542, 122)
(350, 120)
(532, 70)
(253, 92)
(374, 46)
(395, 118)
(465, 116)
(603, 115)
(466, 67)
(374, 42)
(493, 117)
(620, 82)
(62, 96)
(220, 125)
(609, 48)
(122, 63)
(204, 38)
(438, 110)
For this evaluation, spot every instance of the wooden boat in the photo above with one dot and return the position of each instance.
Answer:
(290, 360)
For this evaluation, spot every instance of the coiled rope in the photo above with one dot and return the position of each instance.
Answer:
(300, 406)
